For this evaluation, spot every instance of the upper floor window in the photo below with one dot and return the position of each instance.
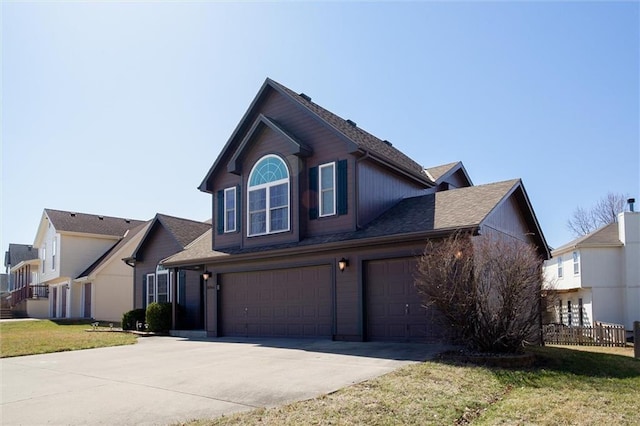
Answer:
(230, 209)
(54, 251)
(44, 256)
(576, 263)
(327, 190)
(560, 272)
(268, 196)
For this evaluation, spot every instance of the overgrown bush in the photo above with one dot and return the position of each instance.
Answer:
(488, 289)
(129, 319)
(159, 317)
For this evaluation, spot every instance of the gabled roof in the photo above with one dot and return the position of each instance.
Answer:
(606, 236)
(184, 231)
(346, 129)
(114, 252)
(440, 173)
(436, 213)
(65, 221)
(19, 253)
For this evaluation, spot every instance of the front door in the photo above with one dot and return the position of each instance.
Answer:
(87, 300)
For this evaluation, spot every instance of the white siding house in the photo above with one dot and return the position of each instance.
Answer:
(597, 277)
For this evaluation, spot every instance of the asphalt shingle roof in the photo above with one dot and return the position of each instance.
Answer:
(90, 223)
(604, 236)
(438, 171)
(19, 253)
(454, 209)
(184, 230)
(359, 136)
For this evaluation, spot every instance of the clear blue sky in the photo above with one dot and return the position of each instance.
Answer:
(121, 108)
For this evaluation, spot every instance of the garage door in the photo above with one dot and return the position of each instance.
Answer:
(278, 303)
(394, 310)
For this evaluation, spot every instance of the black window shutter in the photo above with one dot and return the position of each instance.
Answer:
(220, 222)
(313, 193)
(238, 208)
(144, 291)
(342, 187)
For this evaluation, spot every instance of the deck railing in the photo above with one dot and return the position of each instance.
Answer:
(35, 291)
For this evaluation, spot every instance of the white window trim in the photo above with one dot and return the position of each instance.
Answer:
(235, 202)
(576, 263)
(54, 252)
(267, 187)
(560, 268)
(333, 188)
(44, 257)
(160, 270)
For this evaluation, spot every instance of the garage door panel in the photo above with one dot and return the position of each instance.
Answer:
(292, 302)
(394, 308)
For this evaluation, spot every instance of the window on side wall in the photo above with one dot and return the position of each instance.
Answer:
(230, 209)
(268, 197)
(327, 189)
(54, 251)
(151, 288)
(576, 263)
(560, 272)
(44, 256)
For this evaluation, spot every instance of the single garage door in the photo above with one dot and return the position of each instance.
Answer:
(394, 310)
(293, 302)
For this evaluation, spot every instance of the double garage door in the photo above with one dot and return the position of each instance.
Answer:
(298, 302)
(293, 302)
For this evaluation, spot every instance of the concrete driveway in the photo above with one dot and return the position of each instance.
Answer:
(163, 380)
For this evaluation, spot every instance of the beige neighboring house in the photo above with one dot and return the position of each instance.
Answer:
(597, 276)
(80, 263)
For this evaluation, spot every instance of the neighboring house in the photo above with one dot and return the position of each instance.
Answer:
(597, 277)
(165, 236)
(107, 285)
(317, 226)
(68, 244)
(26, 296)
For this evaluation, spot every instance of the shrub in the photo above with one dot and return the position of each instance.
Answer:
(488, 289)
(159, 317)
(129, 319)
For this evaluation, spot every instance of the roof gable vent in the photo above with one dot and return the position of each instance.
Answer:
(305, 97)
(387, 142)
(353, 123)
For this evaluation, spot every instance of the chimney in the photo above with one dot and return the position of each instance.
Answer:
(631, 201)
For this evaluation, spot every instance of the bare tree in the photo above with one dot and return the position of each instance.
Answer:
(487, 289)
(604, 212)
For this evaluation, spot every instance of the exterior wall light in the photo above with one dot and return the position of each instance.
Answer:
(206, 275)
(342, 264)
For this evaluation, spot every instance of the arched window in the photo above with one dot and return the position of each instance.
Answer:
(268, 196)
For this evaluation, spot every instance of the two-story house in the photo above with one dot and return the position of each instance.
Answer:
(597, 277)
(317, 226)
(72, 246)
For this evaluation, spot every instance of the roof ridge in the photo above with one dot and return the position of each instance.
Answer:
(180, 218)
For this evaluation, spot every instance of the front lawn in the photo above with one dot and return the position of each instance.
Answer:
(566, 387)
(39, 337)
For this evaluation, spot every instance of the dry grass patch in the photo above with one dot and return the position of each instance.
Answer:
(566, 387)
(38, 337)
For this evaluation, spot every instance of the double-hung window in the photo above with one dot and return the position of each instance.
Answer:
(560, 271)
(151, 288)
(327, 190)
(54, 251)
(44, 256)
(576, 263)
(159, 286)
(268, 197)
(230, 209)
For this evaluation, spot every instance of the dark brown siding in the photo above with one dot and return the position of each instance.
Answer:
(158, 245)
(379, 189)
(507, 219)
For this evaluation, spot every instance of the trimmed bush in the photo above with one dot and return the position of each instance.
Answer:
(159, 317)
(129, 319)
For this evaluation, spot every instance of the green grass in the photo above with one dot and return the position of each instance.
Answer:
(566, 387)
(38, 337)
